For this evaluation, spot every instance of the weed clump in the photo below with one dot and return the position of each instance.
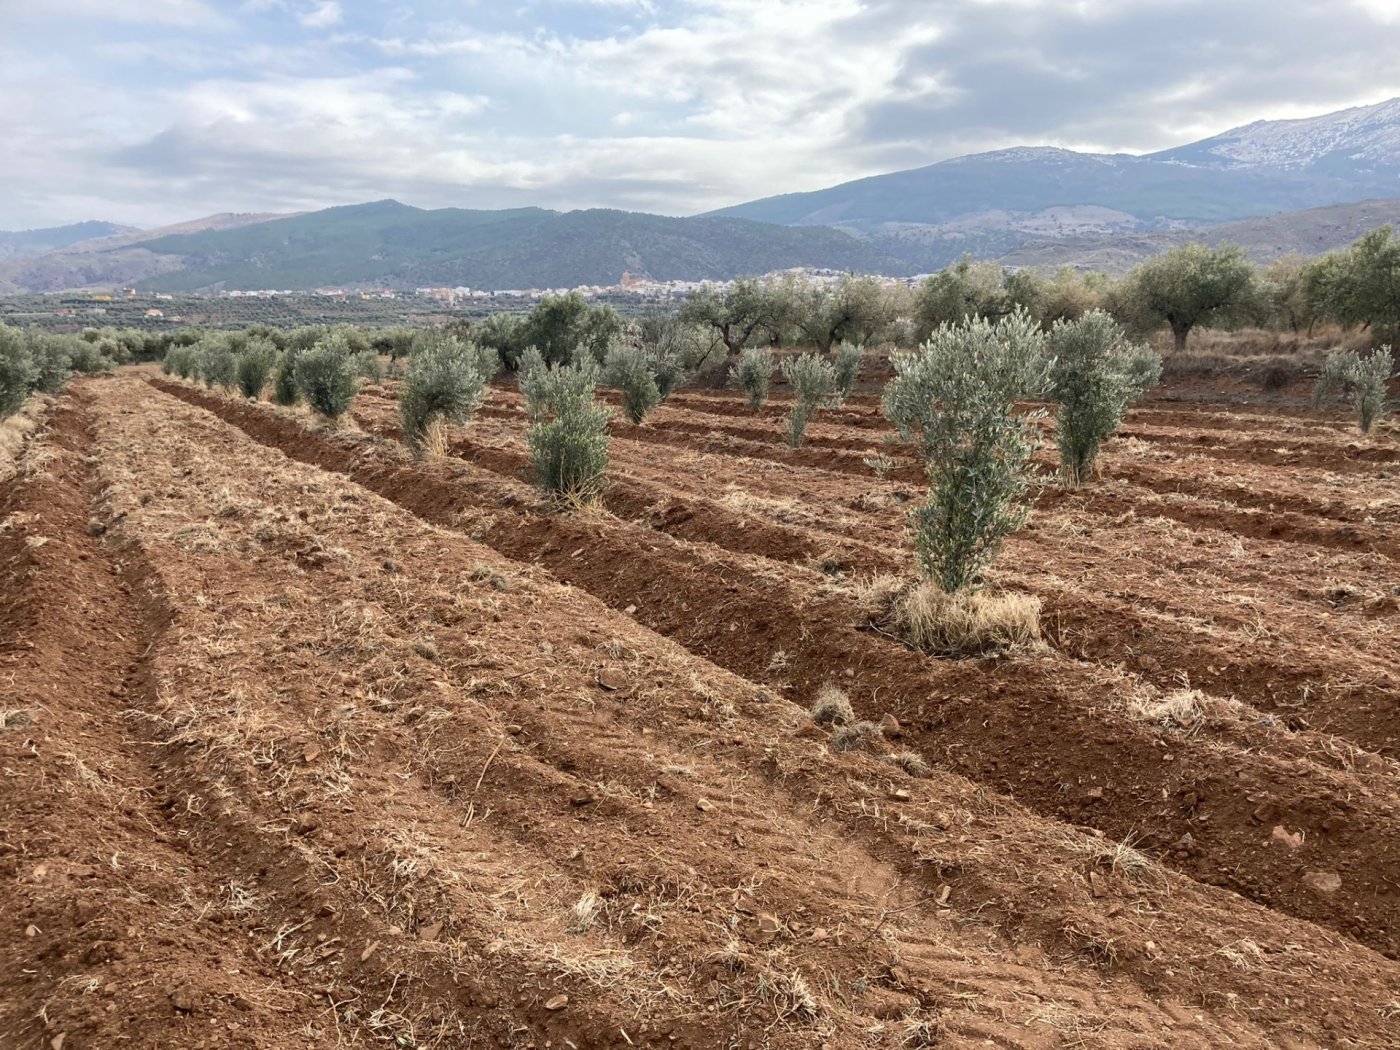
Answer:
(832, 707)
(813, 384)
(753, 373)
(568, 439)
(445, 382)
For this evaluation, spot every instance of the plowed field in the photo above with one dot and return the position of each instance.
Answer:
(305, 743)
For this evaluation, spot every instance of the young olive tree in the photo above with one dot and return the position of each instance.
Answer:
(627, 369)
(445, 382)
(285, 391)
(1094, 377)
(17, 371)
(753, 373)
(327, 376)
(1361, 380)
(53, 360)
(255, 365)
(813, 384)
(218, 364)
(956, 398)
(847, 362)
(568, 438)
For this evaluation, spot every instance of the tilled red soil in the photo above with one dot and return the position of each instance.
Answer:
(307, 743)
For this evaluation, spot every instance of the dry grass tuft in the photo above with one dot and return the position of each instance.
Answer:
(1183, 709)
(437, 439)
(832, 707)
(857, 736)
(969, 623)
(911, 762)
(584, 912)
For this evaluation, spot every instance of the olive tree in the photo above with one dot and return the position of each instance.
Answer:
(255, 365)
(735, 313)
(1361, 380)
(956, 399)
(753, 373)
(1095, 374)
(564, 326)
(327, 376)
(813, 383)
(444, 383)
(627, 369)
(1189, 287)
(568, 439)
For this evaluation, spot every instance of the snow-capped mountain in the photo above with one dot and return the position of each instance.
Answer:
(986, 203)
(1364, 137)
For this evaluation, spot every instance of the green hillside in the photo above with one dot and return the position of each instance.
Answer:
(387, 243)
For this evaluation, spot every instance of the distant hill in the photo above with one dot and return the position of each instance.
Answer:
(1310, 232)
(391, 244)
(111, 261)
(32, 242)
(990, 203)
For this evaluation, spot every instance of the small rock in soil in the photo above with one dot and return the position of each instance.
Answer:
(1323, 881)
(612, 680)
(557, 1003)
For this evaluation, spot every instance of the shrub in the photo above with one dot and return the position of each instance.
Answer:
(534, 380)
(968, 623)
(255, 365)
(1359, 379)
(445, 382)
(753, 373)
(327, 377)
(570, 448)
(956, 397)
(847, 361)
(218, 365)
(627, 369)
(1092, 379)
(17, 371)
(813, 382)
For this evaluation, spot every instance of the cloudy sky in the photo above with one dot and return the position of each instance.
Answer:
(155, 111)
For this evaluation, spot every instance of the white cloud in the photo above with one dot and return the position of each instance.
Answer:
(192, 13)
(323, 15)
(673, 106)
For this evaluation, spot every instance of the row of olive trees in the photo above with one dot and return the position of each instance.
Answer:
(1181, 290)
(33, 362)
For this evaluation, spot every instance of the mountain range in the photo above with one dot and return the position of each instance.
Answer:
(1276, 186)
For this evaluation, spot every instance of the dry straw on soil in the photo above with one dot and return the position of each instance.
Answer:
(968, 623)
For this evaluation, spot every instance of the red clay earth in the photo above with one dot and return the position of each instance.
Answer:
(307, 743)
